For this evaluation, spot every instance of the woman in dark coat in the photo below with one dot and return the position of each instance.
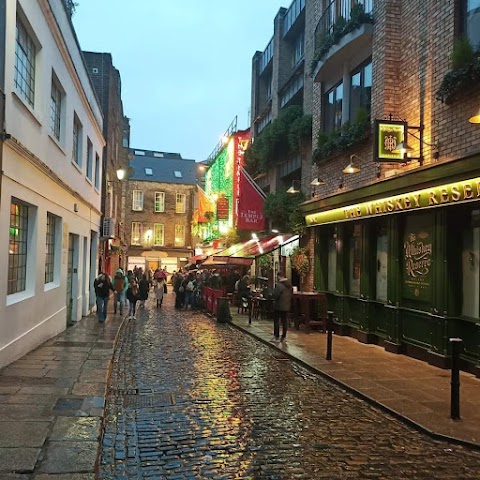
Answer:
(144, 288)
(179, 289)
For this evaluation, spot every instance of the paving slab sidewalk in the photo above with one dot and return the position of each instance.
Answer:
(52, 403)
(412, 390)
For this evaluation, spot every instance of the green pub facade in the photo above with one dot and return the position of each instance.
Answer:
(400, 260)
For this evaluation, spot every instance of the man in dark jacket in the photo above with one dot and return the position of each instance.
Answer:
(103, 286)
(282, 296)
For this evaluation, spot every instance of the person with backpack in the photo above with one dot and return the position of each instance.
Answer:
(102, 286)
(189, 285)
(144, 289)
(120, 286)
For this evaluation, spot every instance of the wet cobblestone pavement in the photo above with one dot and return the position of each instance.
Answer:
(190, 398)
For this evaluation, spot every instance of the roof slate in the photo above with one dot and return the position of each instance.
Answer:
(163, 169)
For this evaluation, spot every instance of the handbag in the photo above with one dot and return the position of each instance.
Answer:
(181, 289)
(165, 290)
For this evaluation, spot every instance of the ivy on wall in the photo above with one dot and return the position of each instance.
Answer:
(338, 141)
(288, 134)
(282, 209)
(464, 74)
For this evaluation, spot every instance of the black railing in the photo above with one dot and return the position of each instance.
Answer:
(334, 10)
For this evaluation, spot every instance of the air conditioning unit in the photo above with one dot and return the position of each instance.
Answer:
(109, 227)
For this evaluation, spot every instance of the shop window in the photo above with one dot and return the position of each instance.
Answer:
(471, 268)
(382, 265)
(332, 262)
(354, 261)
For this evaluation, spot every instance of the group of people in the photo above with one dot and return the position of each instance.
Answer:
(130, 289)
(135, 286)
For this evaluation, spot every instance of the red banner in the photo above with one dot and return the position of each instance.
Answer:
(250, 206)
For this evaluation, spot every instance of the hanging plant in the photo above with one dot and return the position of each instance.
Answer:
(265, 262)
(300, 262)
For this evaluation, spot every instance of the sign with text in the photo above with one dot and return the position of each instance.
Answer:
(417, 258)
(222, 208)
(250, 206)
(389, 134)
(450, 194)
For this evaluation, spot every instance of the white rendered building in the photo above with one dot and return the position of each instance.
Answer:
(50, 188)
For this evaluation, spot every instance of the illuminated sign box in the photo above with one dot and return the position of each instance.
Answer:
(389, 134)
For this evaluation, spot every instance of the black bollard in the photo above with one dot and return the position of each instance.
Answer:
(456, 345)
(329, 335)
(223, 310)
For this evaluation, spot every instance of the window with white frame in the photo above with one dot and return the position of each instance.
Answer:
(25, 53)
(361, 90)
(89, 158)
(332, 111)
(97, 171)
(471, 23)
(50, 247)
(180, 203)
(56, 109)
(18, 243)
(137, 200)
(179, 235)
(77, 141)
(159, 202)
(158, 234)
(136, 234)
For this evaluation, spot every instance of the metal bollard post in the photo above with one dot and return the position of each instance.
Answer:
(456, 345)
(329, 335)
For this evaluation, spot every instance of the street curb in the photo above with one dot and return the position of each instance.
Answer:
(109, 376)
(371, 401)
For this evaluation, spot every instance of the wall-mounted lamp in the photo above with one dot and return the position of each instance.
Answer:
(292, 189)
(75, 207)
(406, 149)
(475, 118)
(120, 176)
(316, 182)
(352, 167)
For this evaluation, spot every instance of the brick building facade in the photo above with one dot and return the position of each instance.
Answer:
(396, 246)
(159, 203)
(108, 87)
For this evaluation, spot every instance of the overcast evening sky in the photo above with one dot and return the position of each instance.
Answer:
(185, 64)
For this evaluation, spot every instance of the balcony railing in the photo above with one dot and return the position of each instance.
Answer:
(336, 9)
(267, 55)
(292, 14)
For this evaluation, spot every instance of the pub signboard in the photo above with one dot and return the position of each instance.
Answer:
(389, 134)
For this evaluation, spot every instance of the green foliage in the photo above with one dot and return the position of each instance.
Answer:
(342, 27)
(300, 262)
(285, 135)
(282, 209)
(465, 72)
(344, 139)
(265, 262)
(70, 6)
(463, 53)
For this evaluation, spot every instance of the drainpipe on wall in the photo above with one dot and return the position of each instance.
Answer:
(3, 134)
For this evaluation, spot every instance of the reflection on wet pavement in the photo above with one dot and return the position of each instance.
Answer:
(218, 404)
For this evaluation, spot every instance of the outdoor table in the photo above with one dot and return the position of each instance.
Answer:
(310, 309)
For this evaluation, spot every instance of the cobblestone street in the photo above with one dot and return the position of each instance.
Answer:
(190, 398)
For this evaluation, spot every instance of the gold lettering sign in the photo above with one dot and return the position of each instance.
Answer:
(466, 191)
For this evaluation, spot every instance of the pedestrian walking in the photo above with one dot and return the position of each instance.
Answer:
(160, 285)
(120, 285)
(179, 290)
(103, 286)
(133, 296)
(282, 296)
(144, 289)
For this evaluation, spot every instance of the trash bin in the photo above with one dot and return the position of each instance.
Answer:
(223, 310)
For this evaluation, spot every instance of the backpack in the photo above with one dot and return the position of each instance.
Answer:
(119, 282)
(190, 286)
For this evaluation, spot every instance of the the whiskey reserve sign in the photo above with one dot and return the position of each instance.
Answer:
(466, 191)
